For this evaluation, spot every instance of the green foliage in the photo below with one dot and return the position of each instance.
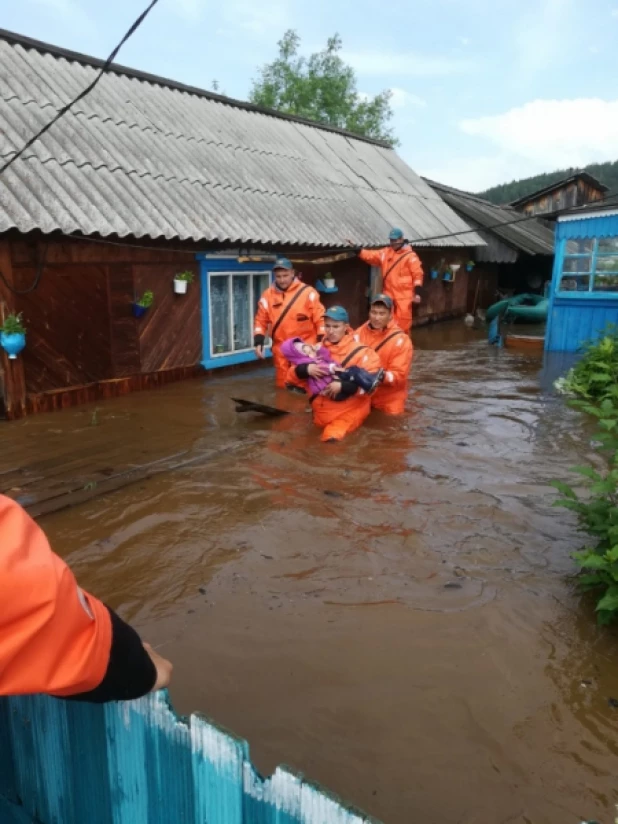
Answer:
(606, 173)
(321, 87)
(188, 276)
(13, 325)
(146, 299)
(595, 376)
(595, 380)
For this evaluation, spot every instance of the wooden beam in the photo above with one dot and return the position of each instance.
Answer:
(12, 377)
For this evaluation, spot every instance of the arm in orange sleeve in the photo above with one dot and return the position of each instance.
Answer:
(371, 256)
(261, 322)
(54, 637)
(416, 270)
(317, 313)
(399, 362)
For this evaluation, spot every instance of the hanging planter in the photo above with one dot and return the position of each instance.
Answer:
(470, 266)
(182, 281)
(141, 306)
(434, 274)
(329, 281)
(13, 335)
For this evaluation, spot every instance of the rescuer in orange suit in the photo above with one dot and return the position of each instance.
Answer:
(342, 406)
(292, 310)
(394, 348)
(402, 275)
(56, 638)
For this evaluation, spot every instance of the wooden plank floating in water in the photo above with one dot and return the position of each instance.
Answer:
(252, 406)
(136, 762)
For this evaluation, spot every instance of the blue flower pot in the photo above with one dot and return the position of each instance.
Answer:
(12, 344)
(469, 267)
(434, 274)
(139, 311)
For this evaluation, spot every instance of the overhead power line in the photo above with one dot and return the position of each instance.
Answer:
(61, 112)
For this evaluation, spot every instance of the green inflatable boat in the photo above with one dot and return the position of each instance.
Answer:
(522, 308)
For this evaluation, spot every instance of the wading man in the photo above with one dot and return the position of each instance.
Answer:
(290, 309)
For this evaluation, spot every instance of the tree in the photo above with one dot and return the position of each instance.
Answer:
(322, 88)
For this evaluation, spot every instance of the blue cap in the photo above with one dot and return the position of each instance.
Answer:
(395, 234)
(388, 302)
(283, 263)
(337, 313)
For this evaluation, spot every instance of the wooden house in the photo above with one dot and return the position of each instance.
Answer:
(146, 178)
(577, 190)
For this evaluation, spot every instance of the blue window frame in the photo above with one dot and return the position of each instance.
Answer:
(589, 266)
(230, 294)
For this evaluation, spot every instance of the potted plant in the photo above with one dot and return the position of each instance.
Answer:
(141, 306)
(329, 281)
(13, 335)
(433, 273)
(181, 281)
(470, 266)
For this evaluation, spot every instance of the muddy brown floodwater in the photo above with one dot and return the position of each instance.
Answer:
(393, 615)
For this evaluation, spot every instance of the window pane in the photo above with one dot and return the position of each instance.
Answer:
(606, 283)
(577, 264)
(242, 320)
(260, 284)
(580, 246)
(608, 244)
(574, 283)
(220, 313)
(607, 263)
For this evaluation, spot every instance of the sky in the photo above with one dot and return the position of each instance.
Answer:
(484, 91)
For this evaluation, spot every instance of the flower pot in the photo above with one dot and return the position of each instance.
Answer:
(469, 267)
(219, 348)
(180, 286)
(138, 311)
(329, 283)
(12, 343)
(434, 274)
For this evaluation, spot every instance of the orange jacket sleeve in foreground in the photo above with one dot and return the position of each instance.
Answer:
(54, 637)
(374, 257)
(400, 355)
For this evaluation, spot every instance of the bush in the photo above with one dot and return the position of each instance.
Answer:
(596, 374)
(597, 511)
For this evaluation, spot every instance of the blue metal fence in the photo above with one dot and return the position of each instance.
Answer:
(64, 762)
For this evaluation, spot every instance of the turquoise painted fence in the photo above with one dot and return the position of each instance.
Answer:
(65, 762)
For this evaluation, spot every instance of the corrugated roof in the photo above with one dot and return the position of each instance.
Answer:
(145, 157)
(534, 237)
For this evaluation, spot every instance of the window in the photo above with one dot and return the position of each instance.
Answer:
(233, 302)
(590, 265)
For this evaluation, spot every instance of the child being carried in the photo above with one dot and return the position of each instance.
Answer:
(297, 352)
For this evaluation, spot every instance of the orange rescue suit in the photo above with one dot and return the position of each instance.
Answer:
(395, 350)
(305, 319)
(401, 273)
(54, 637)
(339, 418)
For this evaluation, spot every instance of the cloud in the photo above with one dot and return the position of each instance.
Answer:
(258, 18)
(376, 63)
(401, 99)
(475, 173)
(465, 41)
(555, 133)
(189, 9)
(542, 36)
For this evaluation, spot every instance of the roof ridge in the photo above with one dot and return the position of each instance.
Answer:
(13, 38)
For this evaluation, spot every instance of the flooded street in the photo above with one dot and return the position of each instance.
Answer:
(392, 615)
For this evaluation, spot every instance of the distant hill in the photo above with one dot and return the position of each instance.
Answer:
(606, 173)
